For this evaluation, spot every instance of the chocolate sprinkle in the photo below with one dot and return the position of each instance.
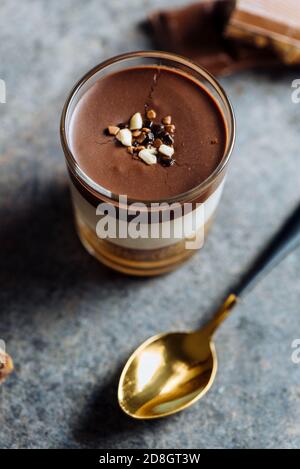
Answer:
(149, 138)
(157, 129)
(167, 139)
(148, 124)
(166, 161)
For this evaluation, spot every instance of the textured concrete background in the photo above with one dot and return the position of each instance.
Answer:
(69, 322)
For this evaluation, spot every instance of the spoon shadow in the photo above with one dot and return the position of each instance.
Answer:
(102, 419)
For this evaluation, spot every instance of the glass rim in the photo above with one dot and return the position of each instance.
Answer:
(100, 190)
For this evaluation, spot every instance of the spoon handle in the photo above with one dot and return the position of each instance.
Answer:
(282, 243)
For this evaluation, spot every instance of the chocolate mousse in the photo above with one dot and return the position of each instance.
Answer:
(174, 99)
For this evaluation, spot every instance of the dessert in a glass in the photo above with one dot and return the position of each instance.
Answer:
(146, 130)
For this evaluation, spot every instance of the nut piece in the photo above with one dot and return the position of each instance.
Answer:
(152, 150)
(6, 365)
(139, 148)
(125, 137)
(147, 156)
(151, 114)
(167, 120)
(136, 133)
(141, 137)
(170, 128)
(157, 142)
(136, 122)
(130, 150)
(113, 129)
(166, 150)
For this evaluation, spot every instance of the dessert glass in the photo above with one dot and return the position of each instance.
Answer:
(148, 255)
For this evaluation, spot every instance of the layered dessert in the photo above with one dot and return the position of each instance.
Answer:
(200, 132)
(152, 133)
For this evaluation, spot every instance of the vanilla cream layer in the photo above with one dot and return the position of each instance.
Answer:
(157, 235)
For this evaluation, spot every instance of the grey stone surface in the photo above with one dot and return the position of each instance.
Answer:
(70, 323)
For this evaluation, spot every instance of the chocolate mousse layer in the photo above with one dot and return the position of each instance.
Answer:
(200, 132)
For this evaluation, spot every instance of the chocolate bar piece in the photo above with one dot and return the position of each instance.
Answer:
(6, 366)
(197, 31)
(268, 24)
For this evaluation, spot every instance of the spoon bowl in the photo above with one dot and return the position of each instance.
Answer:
(167, 373)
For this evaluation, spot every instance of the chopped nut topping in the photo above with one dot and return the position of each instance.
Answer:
(166, 150)
(167, 120)
(140, 148)
(125, 137)
(167, 161)
(152, 150)
(148, 123)
(141, 137)
(144, 138)
(157, 142)
(167, 139)
(157, 129)
(147, 156)
(170, 128)
(151, 114)
(136, 122)
(113, 129)
(149, 138)
(122, 126)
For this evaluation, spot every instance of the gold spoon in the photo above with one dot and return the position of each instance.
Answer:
(171, 371)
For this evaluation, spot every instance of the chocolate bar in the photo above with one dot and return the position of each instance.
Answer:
(200, 31)
(6, 366)
(268, 24)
